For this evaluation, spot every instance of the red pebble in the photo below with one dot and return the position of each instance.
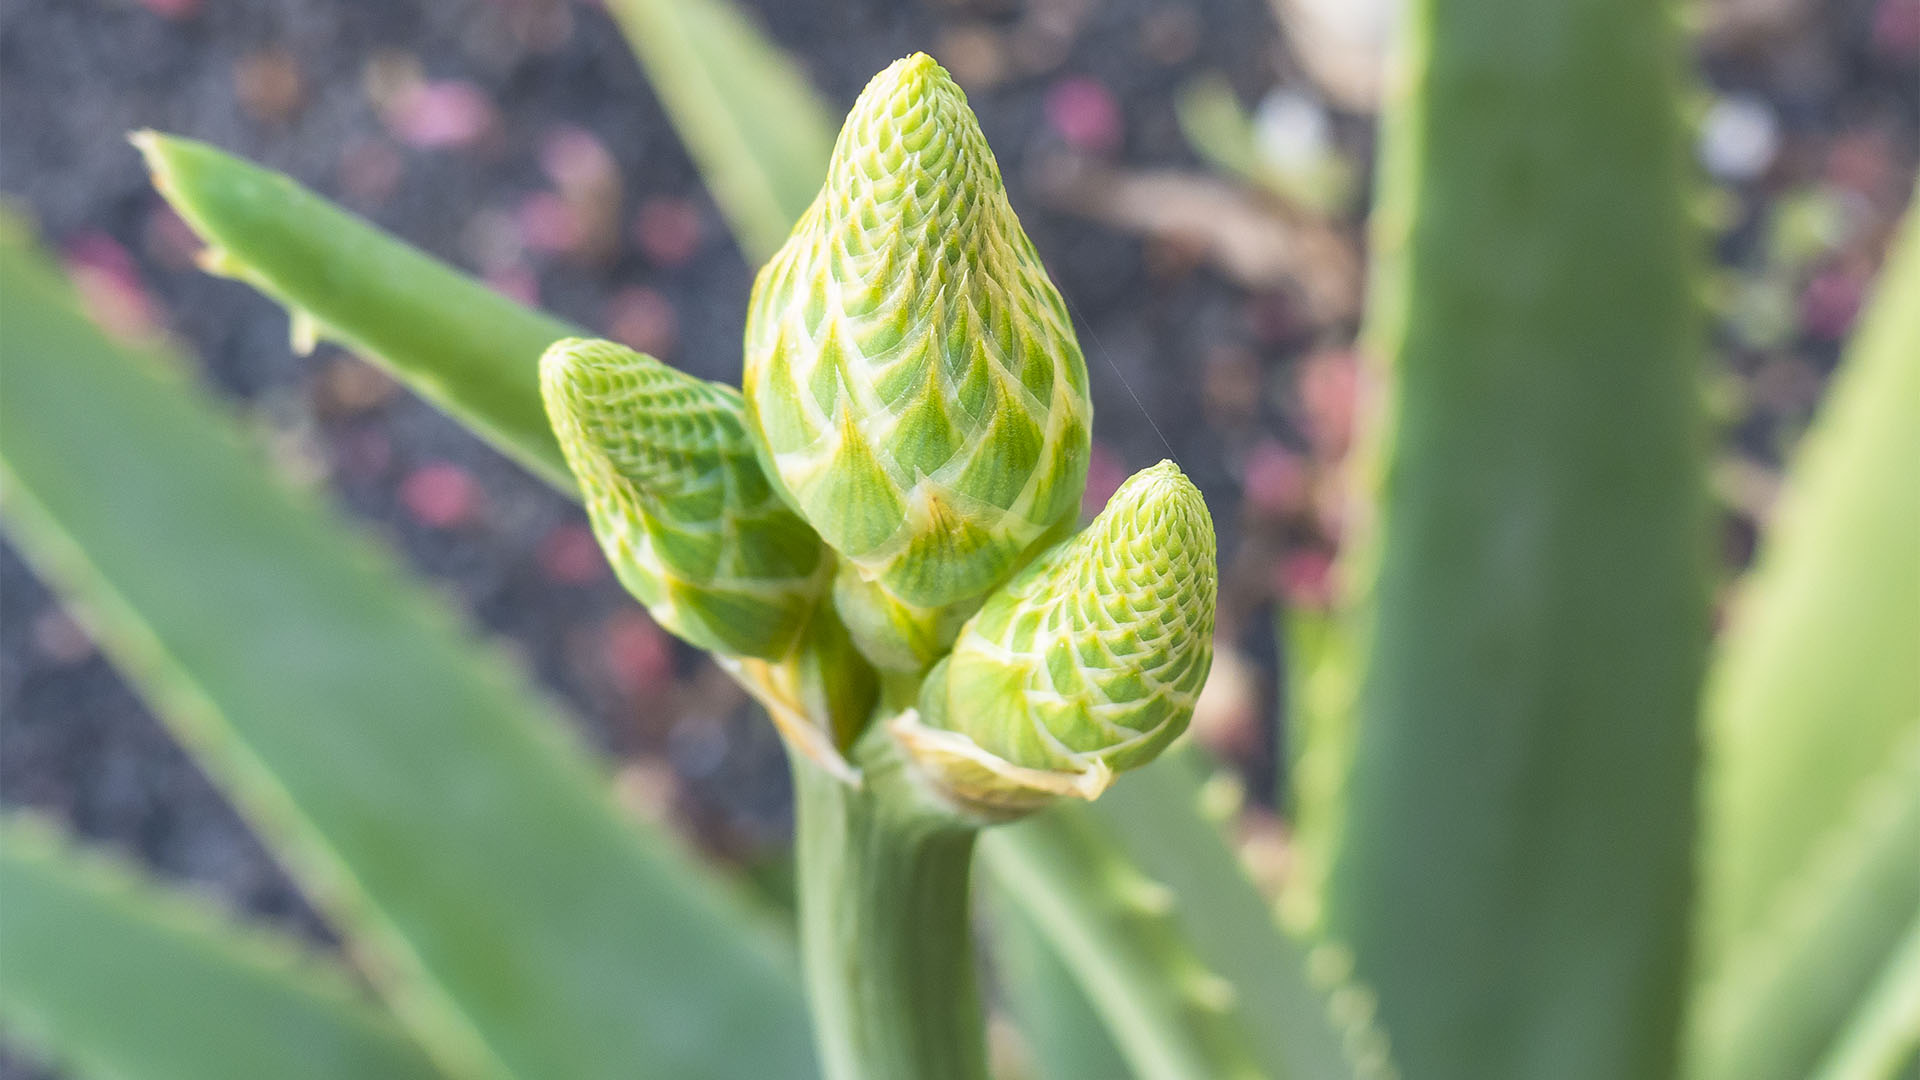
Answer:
(548, 224)
(638, 656)
(371, 170)
(365, 455)
(1896, 29)
(1306, 579)
(516, 283)
(575, 159)
(172, 9)
(668, 230)
(1105, 473)
(110, 288)
(441, 114)
(643, 319)
(1275, 480)
(440, 495)
(569, 555)
(1328, 386)
(1084, 113)
(1829, 304)
(169, 239)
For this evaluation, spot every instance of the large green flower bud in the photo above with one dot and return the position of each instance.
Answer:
(912, 373)
(677, 498)
(1085, 664)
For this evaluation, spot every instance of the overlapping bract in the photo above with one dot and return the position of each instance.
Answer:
(1087, 663)
(911, 372)
(679, 503)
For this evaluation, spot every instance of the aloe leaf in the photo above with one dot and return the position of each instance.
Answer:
(1064, 1034)
(414, 784)
(1884, 1036)
(1813, 704)
(1172, 942)
(1516, 842)
(1305, 1025)
(1171, 1016)
(744, 108)
(457, 343)
(1318, 666)
(1780, 999)
(1221, 132)
(1218, 129)
(120, 977)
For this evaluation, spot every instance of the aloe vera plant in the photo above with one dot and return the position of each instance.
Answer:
(878, 537)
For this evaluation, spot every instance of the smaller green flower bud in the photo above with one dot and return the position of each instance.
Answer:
(676, 497)
(911, 372)
(1087, 663)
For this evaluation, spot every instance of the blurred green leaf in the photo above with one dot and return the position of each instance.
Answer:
(455, 342)
(1221, 132)
(121, 978)
(1175, 946)
(1155, 818)
(1172, 1017)
(1066, 1036)
(1882, 1041)
(1813, 722)
(1318, 663)
(1217, 127)
(413, 783)
(744, 108)
(1516, 846)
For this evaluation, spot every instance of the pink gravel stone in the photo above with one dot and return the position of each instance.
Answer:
(1084, 113)
(1275, 480)
(1306, 579)
(642, 318)
(569, 555)
(437, 115)
(638, 656)
(668, 230)
(440, 495)
(1105, 473)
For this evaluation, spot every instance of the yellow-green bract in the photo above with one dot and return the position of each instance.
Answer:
(912, 373)
(1085, 664)
(676, 496)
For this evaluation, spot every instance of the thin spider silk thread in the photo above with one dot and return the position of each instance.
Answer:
(1099, 346)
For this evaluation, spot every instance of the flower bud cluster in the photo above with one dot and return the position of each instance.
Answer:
(902, 478)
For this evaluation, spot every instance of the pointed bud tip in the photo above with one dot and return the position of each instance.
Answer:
(580, 365)
(907, 79)
(1160, 490)
(910, 116)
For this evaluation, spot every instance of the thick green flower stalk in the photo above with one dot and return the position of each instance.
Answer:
(1086, 664)
(912, 373)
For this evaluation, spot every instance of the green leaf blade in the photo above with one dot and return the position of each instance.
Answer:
(418, 789)
(462, 346)
(1514, 864)
(744, 108)
(123, 979)
(1065, 1035)
(1145, 902)
(1809, 866)
(1884, 1036)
